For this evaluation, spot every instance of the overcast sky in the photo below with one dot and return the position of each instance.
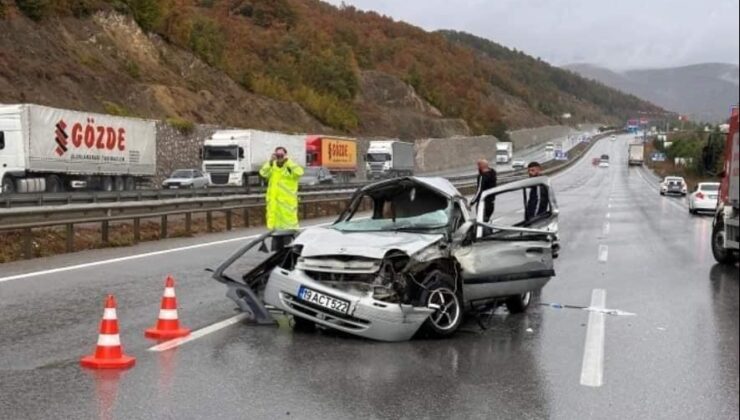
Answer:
(618, 34)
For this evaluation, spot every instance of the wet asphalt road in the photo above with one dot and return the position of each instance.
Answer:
(677, 358)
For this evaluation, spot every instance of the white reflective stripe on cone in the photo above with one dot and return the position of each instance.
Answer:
(169, 292)
(109, 340)
(168, 314)
(109, 313)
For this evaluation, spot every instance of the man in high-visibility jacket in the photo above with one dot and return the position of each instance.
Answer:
(282, 175)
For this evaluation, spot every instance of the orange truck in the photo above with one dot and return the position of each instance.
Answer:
(336, 154)
(726, 225)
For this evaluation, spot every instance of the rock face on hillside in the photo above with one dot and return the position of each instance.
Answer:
(391, 108)
(107, 64)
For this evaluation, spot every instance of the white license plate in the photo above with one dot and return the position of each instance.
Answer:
(325, 301)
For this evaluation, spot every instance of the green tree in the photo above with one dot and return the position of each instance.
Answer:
(147, 13)
(207, 40)
(33, 9)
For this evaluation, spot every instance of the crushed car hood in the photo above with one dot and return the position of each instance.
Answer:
(325, 241)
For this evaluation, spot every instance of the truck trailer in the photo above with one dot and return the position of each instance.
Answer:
(234, 157)
(44, 149)
(336, 154)
(389, 159)
(726, 224)
(636, 154)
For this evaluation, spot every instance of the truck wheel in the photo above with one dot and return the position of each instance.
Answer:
(721, 254)
(8, 186)
(129, 184)
(439, 294)
(106, 184)
(54, 184)
(119, 184)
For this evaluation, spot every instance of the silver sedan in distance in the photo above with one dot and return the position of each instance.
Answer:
(185, 178)
(704, 198)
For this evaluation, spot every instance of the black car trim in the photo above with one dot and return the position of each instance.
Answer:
(511, 277)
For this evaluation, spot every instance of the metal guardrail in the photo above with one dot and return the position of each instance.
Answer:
(69, 215)
(81, 197)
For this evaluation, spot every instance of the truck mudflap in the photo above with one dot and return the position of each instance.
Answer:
(247, 293)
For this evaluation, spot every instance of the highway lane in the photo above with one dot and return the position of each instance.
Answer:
(677, 358)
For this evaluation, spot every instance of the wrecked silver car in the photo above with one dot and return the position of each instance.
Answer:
(406, 257)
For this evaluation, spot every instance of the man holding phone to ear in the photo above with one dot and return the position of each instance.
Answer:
(282, 175)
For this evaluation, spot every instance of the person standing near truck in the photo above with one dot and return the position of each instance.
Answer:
(282, 175)
(486, 181)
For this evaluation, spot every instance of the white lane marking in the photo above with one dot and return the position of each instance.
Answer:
(171, 344)
(132, 257)
(608, 215)
(603, 253)
(592, 369)
(606, 229)
(609, 205)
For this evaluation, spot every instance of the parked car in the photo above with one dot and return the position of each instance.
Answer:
(416, 264)
(316, 175)
(673, 185)
(186, 178)
(604, 161)
(613, 137)
(704, 197)
(518, 164)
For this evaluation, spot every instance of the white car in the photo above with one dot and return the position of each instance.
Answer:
(518, 164)
(673, 185)
(604, 161)
(704, 198)
(613, 137)
(185, 178)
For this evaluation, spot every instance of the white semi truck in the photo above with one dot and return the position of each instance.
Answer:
(504, 151)
(389, 159)
(45, 149)
(231, 157)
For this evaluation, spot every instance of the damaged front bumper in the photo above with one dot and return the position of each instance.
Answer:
(366, 317)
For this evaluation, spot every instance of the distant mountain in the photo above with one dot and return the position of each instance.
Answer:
(705, 92)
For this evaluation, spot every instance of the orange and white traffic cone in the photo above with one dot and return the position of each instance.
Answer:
(168, 326)
(109, 352)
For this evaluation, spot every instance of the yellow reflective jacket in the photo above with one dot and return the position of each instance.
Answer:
(282, 194)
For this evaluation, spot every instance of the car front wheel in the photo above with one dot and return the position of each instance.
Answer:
(440, 296)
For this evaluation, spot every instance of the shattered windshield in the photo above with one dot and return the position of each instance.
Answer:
(402, 207)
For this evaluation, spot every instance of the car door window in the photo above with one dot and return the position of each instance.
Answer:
(527, 207)
(2, 140)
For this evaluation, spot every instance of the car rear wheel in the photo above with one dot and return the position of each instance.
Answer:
(440, 295)
(519, 304)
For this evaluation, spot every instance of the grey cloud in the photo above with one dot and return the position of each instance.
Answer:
(617, 34)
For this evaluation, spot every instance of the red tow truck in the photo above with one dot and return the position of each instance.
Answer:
(726, 225)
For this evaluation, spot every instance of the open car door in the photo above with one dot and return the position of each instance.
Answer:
(513, 253)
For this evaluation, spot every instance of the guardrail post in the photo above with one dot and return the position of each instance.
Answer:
(228, 220)
(188, 223)
(70, 237)
(27, 243)
(163, 228)
(104, 232)
(209, 221)
(246, 217)
(137, 230)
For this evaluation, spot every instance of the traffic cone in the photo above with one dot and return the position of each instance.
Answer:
(109, 352)
(168, 326)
